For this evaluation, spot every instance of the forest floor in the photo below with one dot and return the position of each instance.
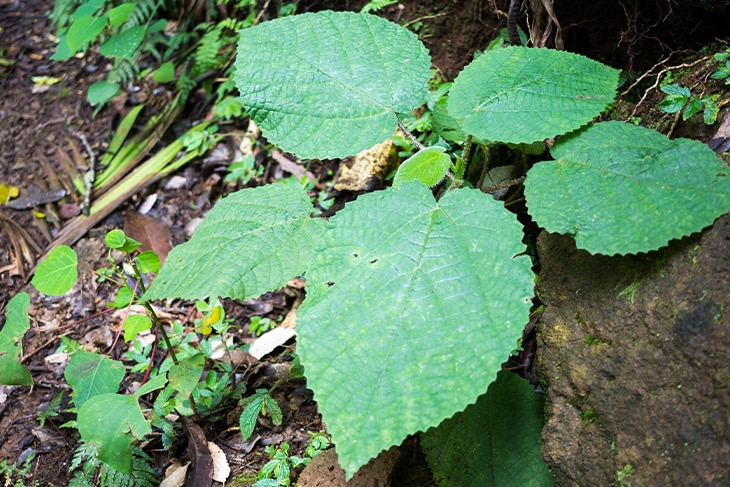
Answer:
(46, 133)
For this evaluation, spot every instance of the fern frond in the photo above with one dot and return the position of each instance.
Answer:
(206, 55)
(143, 11)
(122, 72)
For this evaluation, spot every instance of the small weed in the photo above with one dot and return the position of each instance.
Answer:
(51, 410)
(261, 403)
(722, 72)
(13, 471)
(277, 470)
(591, 340)
(622, 476)
(260, 325)
(680, 99)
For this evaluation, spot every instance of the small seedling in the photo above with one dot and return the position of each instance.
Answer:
(680, 99)
(244, 170)
(13, 471)
(722, 72)
(260, 403)
(278, 469)
(51, 410)
(260, 325)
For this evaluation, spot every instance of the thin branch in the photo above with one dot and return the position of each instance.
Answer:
(410, 136)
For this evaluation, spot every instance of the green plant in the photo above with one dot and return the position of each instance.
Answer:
(89, 470)
(680, 99)
(623, 476)
(133, 34)
(51, 409)
(277, 470)
(14, 471)
(722, 72)
(259, 325)
(261, 403)
(318, 442)
(108, 422)
(124, 31)
(413, 303)
(244, 170)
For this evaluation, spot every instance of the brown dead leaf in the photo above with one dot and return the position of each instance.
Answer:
(368, 170)
(152, 233)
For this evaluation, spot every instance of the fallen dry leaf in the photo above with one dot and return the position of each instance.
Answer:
(152, 233)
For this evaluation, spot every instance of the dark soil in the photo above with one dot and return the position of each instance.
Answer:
(41, 143)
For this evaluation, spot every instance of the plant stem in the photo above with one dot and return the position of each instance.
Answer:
(153, 315)
(410, 136)
(466, 154)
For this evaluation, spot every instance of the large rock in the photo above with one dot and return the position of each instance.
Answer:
(634, 354)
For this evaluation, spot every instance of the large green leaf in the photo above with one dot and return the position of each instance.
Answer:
(110, 421)
(328, 84)
(252, 242)
(11, 337)
(494, 442)
(92, 374)
(411, 307)
(622, 189)
(522, 95)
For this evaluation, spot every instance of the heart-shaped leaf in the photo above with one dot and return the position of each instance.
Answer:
(619, 198)
(411, 307)
(328, 84)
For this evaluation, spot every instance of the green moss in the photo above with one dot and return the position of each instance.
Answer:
(591, 340)
(245, 479)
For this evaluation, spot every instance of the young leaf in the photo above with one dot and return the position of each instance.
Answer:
(329, 84)
(165, 73)
(619, 198)
(91, 374)
(135, 324)
(12, 373)
(57, 273)
(157, 382)
(123, 298)
(119, 14)
(116, 240)
(411, 307)
(101, 92)
(249, 415)
(251, 242)
(429, 166)
(111, 421)
(509, 95)
(495, 442)
(148, 261)
(271, 406)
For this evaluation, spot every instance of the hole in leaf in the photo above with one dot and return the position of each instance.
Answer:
(330, 284)
(373, 261)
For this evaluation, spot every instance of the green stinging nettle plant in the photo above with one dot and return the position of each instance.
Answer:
(412, 302)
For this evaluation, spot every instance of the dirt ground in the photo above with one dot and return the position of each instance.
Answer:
(42, 138)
